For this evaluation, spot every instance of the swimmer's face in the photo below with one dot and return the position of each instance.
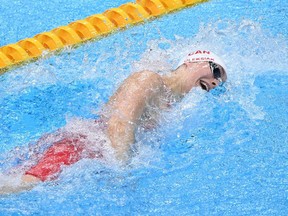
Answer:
(210, 75)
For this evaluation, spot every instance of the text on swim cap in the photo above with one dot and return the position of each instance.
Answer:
(199, 52)
(199, 59)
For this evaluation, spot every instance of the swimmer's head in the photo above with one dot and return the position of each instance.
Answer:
(211, 69)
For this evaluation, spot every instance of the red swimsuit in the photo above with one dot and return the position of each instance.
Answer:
(64, 152)
(67, 151)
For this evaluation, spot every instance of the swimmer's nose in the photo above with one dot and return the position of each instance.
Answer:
(215, 83)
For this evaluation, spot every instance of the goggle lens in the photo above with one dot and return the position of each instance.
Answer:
(215, 71)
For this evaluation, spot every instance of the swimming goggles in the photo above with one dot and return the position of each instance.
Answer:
(215, 71)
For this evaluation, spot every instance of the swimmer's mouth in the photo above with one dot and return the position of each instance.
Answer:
(204, 85)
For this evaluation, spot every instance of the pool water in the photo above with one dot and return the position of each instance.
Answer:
(218, 153)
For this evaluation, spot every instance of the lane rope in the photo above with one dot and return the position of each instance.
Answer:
(92, 27)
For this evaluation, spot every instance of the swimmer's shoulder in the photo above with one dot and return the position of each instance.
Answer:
(147, 73)
(149, 77)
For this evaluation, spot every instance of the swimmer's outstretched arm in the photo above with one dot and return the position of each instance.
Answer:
(126, 107)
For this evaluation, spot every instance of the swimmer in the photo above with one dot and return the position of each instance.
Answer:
(132, 105)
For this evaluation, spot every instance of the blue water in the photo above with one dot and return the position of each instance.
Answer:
(223, 153)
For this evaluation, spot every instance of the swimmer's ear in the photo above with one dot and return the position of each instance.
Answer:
(188, 65)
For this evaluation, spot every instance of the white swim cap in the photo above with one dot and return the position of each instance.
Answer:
(203, 55)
